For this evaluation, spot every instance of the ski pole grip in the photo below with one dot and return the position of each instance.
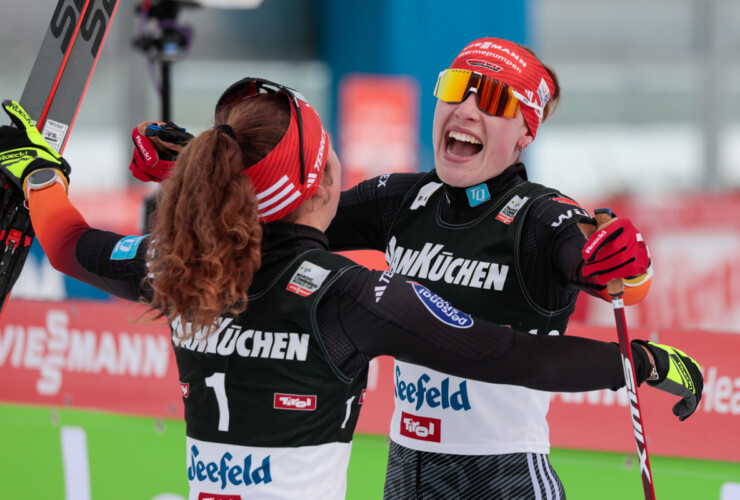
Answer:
(603, 218)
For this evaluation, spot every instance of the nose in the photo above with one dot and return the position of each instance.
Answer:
(468, 109)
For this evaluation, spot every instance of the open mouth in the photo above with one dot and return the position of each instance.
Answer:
(462, 145)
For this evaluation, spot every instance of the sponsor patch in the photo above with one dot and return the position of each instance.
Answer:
(294, 402)
(126, 248)
(432, 262)
(54, 133)
(484, 64)
(424, 194)
(478, 195)
(421, 428)
(507, 214)
(569, 215)
(230, 470)
(543, 92)
(307, 279)
(441, 308)
(185, 389)
(427, 392)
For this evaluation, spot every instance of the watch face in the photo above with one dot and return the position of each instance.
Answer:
(42, 176)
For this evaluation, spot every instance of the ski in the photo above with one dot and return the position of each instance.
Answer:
(52, 96)
(52, 58)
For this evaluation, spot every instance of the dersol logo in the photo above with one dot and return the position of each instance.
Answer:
(441, 308)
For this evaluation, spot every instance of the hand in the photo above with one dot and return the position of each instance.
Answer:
(156, 146)
(615, 251)
(23, 150)
(679, 375)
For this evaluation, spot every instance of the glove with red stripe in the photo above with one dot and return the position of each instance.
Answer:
(615, 251)
(156, 146)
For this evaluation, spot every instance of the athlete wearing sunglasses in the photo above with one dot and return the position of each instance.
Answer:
(273, 333)
(476, 230)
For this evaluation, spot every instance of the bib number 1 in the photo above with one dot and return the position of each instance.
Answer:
(217, 382)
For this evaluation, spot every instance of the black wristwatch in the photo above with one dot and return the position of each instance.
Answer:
(42, 179)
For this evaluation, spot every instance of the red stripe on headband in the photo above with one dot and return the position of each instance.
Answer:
(276, 177)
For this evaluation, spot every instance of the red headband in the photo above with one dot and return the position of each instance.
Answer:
(276, 177)
(511, 64)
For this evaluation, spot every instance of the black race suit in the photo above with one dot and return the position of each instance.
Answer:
(508, 251)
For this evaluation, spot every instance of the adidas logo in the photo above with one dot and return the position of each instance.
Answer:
(379, 291)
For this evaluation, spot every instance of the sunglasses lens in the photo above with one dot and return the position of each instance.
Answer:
(494, 97)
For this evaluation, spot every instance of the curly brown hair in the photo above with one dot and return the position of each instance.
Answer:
(205, 243)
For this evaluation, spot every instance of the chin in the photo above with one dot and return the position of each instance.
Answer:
(455, 175)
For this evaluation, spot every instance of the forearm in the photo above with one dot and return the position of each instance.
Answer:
(399, 324)
(58, 226)
(79, 251)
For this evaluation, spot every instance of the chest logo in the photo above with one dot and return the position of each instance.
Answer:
(477, 195)
(507, 214)
(424, 194)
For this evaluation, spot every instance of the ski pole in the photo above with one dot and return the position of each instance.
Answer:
(616, 290)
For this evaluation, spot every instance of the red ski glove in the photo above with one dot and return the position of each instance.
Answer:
(153, 160)
(614, 252)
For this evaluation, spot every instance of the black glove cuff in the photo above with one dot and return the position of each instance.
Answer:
(662, 363)
(40, 163)
(642, 362)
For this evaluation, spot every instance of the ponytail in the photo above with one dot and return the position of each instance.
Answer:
(206, 238)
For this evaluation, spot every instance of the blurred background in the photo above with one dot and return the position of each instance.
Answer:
(648, 124)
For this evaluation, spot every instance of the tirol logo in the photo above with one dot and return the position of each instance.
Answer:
(185, 389)
(423, 428)
(224, 474)
(294, 402)
(216, 496)
(422, 392)
(441, 308)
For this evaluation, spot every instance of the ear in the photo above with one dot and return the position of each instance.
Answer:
(525, 139)
(321, 196)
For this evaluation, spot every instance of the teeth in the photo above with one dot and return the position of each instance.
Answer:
(464, 137)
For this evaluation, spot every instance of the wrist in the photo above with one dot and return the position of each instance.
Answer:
(654, 369)
(43, 178)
